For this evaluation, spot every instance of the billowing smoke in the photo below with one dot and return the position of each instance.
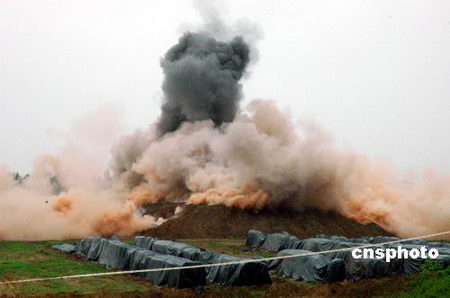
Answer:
(205, 149)
(202, 80)
(66, 196)
(262, 160)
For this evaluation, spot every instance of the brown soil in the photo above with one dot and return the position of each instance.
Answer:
(203, 221)
(164, 210)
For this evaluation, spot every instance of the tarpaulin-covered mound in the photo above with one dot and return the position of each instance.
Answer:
(356, 269)
(381, 239)
(308, 268)
(115, 254)
(255, 273)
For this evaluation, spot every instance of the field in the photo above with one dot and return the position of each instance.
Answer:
(19, 260)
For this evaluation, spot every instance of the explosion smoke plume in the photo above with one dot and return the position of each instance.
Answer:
(261, 160)
(201, 80)
(205, 149)
(32, 210)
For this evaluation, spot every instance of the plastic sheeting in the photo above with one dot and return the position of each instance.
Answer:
(413, 266)
(255, 239)
(317, 244)
(168, 247)
(309, 268)
(185, 278)
(118, 255)
(67, 248)
(114, 254)
(236, 274)
(356, 269)
(381, 239)
(90, 248)
(144, 242)
(176, 249)
(278, 241)
(322, 242)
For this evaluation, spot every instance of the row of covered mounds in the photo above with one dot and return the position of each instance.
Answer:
(407, 266)
(383, 239)
(279, 241)
(115, 254)
(356, 269)
(237, 274)
(317, 267)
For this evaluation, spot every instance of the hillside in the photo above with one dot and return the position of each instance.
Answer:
(204, 221)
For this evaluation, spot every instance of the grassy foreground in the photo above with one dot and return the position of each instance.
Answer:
(20, 260)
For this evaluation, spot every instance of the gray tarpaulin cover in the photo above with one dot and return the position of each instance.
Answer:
(168, 247)
(317, 244)
(413, 266)
(362, 268)
(144, 242)
(255, 239)
(322, 242)
(176, 249)
(357, 269)
(90, 248)
(278, 241)
(118, 255)
(238, 274)
(68, 248)
(381, 239)
(309, 268)
(272, 242)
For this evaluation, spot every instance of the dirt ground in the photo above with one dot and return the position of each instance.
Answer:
(203, 221)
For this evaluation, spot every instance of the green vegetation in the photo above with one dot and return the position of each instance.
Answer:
(20, 260)
(433, 281)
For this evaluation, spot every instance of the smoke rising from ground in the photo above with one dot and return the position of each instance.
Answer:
(87, 205)
(202, 72)
(70, 194)
(202, 80)
(205, 149)
(262, 160)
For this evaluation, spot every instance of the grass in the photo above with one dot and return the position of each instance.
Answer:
(433, 281)
(19, 260)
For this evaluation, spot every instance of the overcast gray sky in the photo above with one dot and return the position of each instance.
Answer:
(376, 74)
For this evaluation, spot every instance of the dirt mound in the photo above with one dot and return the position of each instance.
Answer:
(203, 221)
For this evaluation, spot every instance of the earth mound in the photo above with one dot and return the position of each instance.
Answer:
(218, 221)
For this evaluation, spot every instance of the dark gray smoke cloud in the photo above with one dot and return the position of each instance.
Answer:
(202, 80)
(202, 74)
